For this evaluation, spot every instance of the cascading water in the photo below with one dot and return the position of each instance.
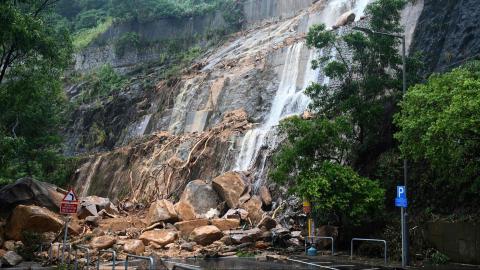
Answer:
(289, 99)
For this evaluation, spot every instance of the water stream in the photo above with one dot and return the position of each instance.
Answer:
(289, 98)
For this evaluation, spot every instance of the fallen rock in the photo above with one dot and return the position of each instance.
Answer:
(281, 232)
(206, 235)
(231, 187)
(161, 210)
(297, 234)
(11, 258)
(159, 237)
(254, 209)
(27, 191)
(226, 224)
(9, 245)
(265, 196)
(35, 219)
(267, 223)
(262, 245)
(102, 242)
(186, 227)
(134, 247)
(236, 213)
(188, 246)
(92, 205)
(244, 236)
(92, 220)
(198, 200)
(346, 18)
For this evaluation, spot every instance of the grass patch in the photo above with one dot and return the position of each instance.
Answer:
(85, 36)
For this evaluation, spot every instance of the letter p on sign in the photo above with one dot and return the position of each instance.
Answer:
(401, 192)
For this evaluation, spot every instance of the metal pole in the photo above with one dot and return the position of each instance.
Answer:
(65, 239)
(402, 225)
(405, 231)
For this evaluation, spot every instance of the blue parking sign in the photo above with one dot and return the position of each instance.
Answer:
(401, 199)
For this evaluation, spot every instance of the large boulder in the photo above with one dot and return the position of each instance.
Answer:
(27, 191)
(254, 209)
(35, 219)
(206, 235)
(134, 247)
(102, 242)
(198, 200)
(162, 210)
(11, 258)
(232, 188)
(159, 237)
(92, 205)
(186, 227)
(344, 19)
(267, 223)
(226, 223)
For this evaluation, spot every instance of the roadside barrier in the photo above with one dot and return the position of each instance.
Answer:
(114, 259)
(149, 259)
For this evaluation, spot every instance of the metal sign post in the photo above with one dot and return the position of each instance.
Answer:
(68, 206)
(401, 201)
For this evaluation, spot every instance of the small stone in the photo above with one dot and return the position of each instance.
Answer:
(206, 235)
(98, 232)
(134, 247)
(187, 246)
(102, 242)
(12, 258)
(262, 245)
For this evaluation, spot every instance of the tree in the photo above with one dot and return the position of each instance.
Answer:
(311, 163)
(34, 53)
(25, 33)
(329, 159)
(440, 132)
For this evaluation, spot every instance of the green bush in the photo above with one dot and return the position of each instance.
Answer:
(125, 42)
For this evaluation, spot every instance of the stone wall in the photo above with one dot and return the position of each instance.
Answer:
(459, 241)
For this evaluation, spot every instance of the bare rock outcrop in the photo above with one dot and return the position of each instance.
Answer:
(206, 235)
(198, 200)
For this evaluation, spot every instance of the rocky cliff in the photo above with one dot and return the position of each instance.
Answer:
(447, 34)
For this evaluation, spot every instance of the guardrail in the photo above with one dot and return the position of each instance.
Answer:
(50, 251)
(370, 240)
(149, 259)
(320, 237)
(177, 265)
(77, 247)
(114, 259)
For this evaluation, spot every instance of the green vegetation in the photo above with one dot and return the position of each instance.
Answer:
(34, 53)
(332, 158)
(32, 242)
(87, 19)
(85, 36)
(125, 42)
(440, 133)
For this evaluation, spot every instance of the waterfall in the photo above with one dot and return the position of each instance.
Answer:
(289, 99)
(91, 170)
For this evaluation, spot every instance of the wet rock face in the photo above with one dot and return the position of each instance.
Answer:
(198, 200)
(447, 32)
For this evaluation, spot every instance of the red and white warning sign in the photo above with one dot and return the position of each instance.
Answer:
(69, 203)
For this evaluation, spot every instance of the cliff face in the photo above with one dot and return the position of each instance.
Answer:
(447, 33)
